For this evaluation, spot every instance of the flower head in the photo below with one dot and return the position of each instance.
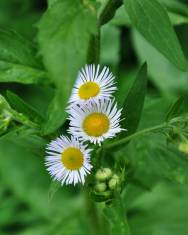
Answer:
(183, 147)
(93, 84)
(95, 121)
(68, 160)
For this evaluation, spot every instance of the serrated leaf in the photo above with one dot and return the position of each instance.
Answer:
(18, 62)
(133, 105)
(151, 20)
(67, 35)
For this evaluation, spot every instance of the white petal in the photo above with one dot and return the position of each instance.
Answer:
(55, 166)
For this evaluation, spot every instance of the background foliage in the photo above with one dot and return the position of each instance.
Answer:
(42, 47)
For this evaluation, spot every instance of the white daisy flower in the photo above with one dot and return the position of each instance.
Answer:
(95, 121)
(68, 160)
(93, 84)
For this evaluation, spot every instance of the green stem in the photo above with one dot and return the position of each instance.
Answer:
(130, 137)
(92, 214)
(94, 48)
(109, 11)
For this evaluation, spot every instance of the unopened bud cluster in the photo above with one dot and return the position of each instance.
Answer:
(106, 180)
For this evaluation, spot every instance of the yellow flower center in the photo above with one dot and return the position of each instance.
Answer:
(89, 90)
(72, 158)
(96, 124)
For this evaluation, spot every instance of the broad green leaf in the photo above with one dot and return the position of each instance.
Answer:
(153, 159)
(11, 72)
(21, 106)
(18, 62)
(170, 80)
(133, 105)
(67, 35)
(51, 2)
(162, 211)
(116, 216)
(152, 21)
(26, 138)
(121, 18)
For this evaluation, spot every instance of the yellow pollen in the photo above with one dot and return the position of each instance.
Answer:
(96, 124)
(89, 90)
(72, 158)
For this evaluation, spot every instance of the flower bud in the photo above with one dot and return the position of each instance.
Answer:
(100, 187)
(114, 182)
(103, 174)
(183, 147)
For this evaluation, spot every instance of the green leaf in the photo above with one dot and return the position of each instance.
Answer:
(175, 6)
(170, 80)
(152, 21)
(121, 18)
(7, 114)
(21, 106)
(26, 138)
(51, 2)
(55, 115)
(18, 62)
(133, 105)
(115, 214)
(67, 35)
(174, 110)
(164, 160)
(162, 211)
(25, 174)
(178, 19)
(11, 72)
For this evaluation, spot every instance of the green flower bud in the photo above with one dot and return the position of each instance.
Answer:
(114, 182)
(183, 147)
(103, 174)
(100, 187)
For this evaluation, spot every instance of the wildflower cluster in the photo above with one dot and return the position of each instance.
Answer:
(93, 116)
